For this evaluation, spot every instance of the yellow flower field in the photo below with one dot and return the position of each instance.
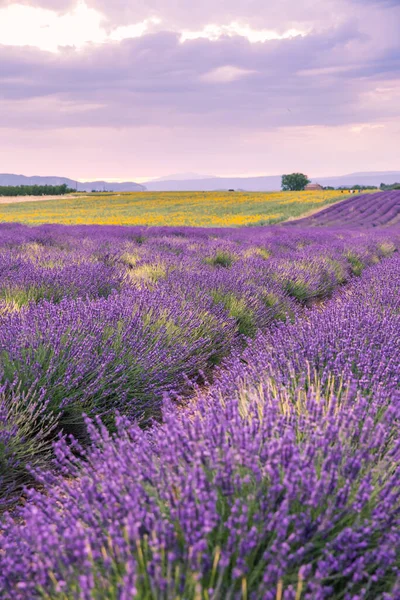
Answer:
(200, 209)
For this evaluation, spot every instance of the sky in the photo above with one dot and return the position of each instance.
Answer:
(138, 89)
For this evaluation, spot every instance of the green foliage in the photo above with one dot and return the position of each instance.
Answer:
(35, 190)
(358, 187)
(26, 428)
(386, 249)
(146, 273)
(356, 264)
(16, 297)
(281, 309)
(338, 269)
(221, 259)
(393, 186)
(238, 310)
(294, 182)
(297, 288)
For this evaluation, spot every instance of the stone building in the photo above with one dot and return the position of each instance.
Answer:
(313, 186)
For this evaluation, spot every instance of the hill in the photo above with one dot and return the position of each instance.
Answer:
(80, 186)
(371, 178)
(267, 183)
(182, 177)
(211, 184)
(192, 182)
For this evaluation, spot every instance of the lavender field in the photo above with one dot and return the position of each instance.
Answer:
(196, 414)
(368, 210)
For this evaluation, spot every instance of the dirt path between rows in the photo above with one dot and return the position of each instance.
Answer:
(18, 199)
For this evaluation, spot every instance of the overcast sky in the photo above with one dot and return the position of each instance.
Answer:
(134, 89)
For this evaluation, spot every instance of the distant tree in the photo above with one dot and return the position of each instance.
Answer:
(294, 182)
(35, 190)
(364, 187)
(392, 186)
(357, 188)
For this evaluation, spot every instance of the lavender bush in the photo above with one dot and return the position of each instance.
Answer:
(275, 475)
(354, 340)
(99, 318)
(123, 352)
(251, 499)
(281, 481)
(26, 428)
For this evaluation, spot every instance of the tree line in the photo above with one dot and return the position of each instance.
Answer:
(35, 190)
(393, 186)
(352, 187)
(298, 181)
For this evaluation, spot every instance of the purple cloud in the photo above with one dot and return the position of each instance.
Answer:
(157, 80)
(345, 72)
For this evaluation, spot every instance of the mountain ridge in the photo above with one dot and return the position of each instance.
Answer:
(268, 183)
(80, 186)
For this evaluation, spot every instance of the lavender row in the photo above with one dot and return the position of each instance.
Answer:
(279, 482)
(98, 319)
(353, 342)
(369, 210)
(54, 262)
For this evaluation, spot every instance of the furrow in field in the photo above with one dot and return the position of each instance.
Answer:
(367, 210)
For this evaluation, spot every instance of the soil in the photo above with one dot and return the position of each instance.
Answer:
(17, 199)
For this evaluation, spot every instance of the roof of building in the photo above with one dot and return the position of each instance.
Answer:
(313, 186)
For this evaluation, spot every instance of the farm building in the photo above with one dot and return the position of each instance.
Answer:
(313, 186)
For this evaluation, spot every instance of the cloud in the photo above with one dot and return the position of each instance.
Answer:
(255, 19)
(225, 74)
(241, 71)
(215, 32)
(365, 126)
(39, 27)
(82, 23)
(59, 6)
(181, 15)
(157, 80)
